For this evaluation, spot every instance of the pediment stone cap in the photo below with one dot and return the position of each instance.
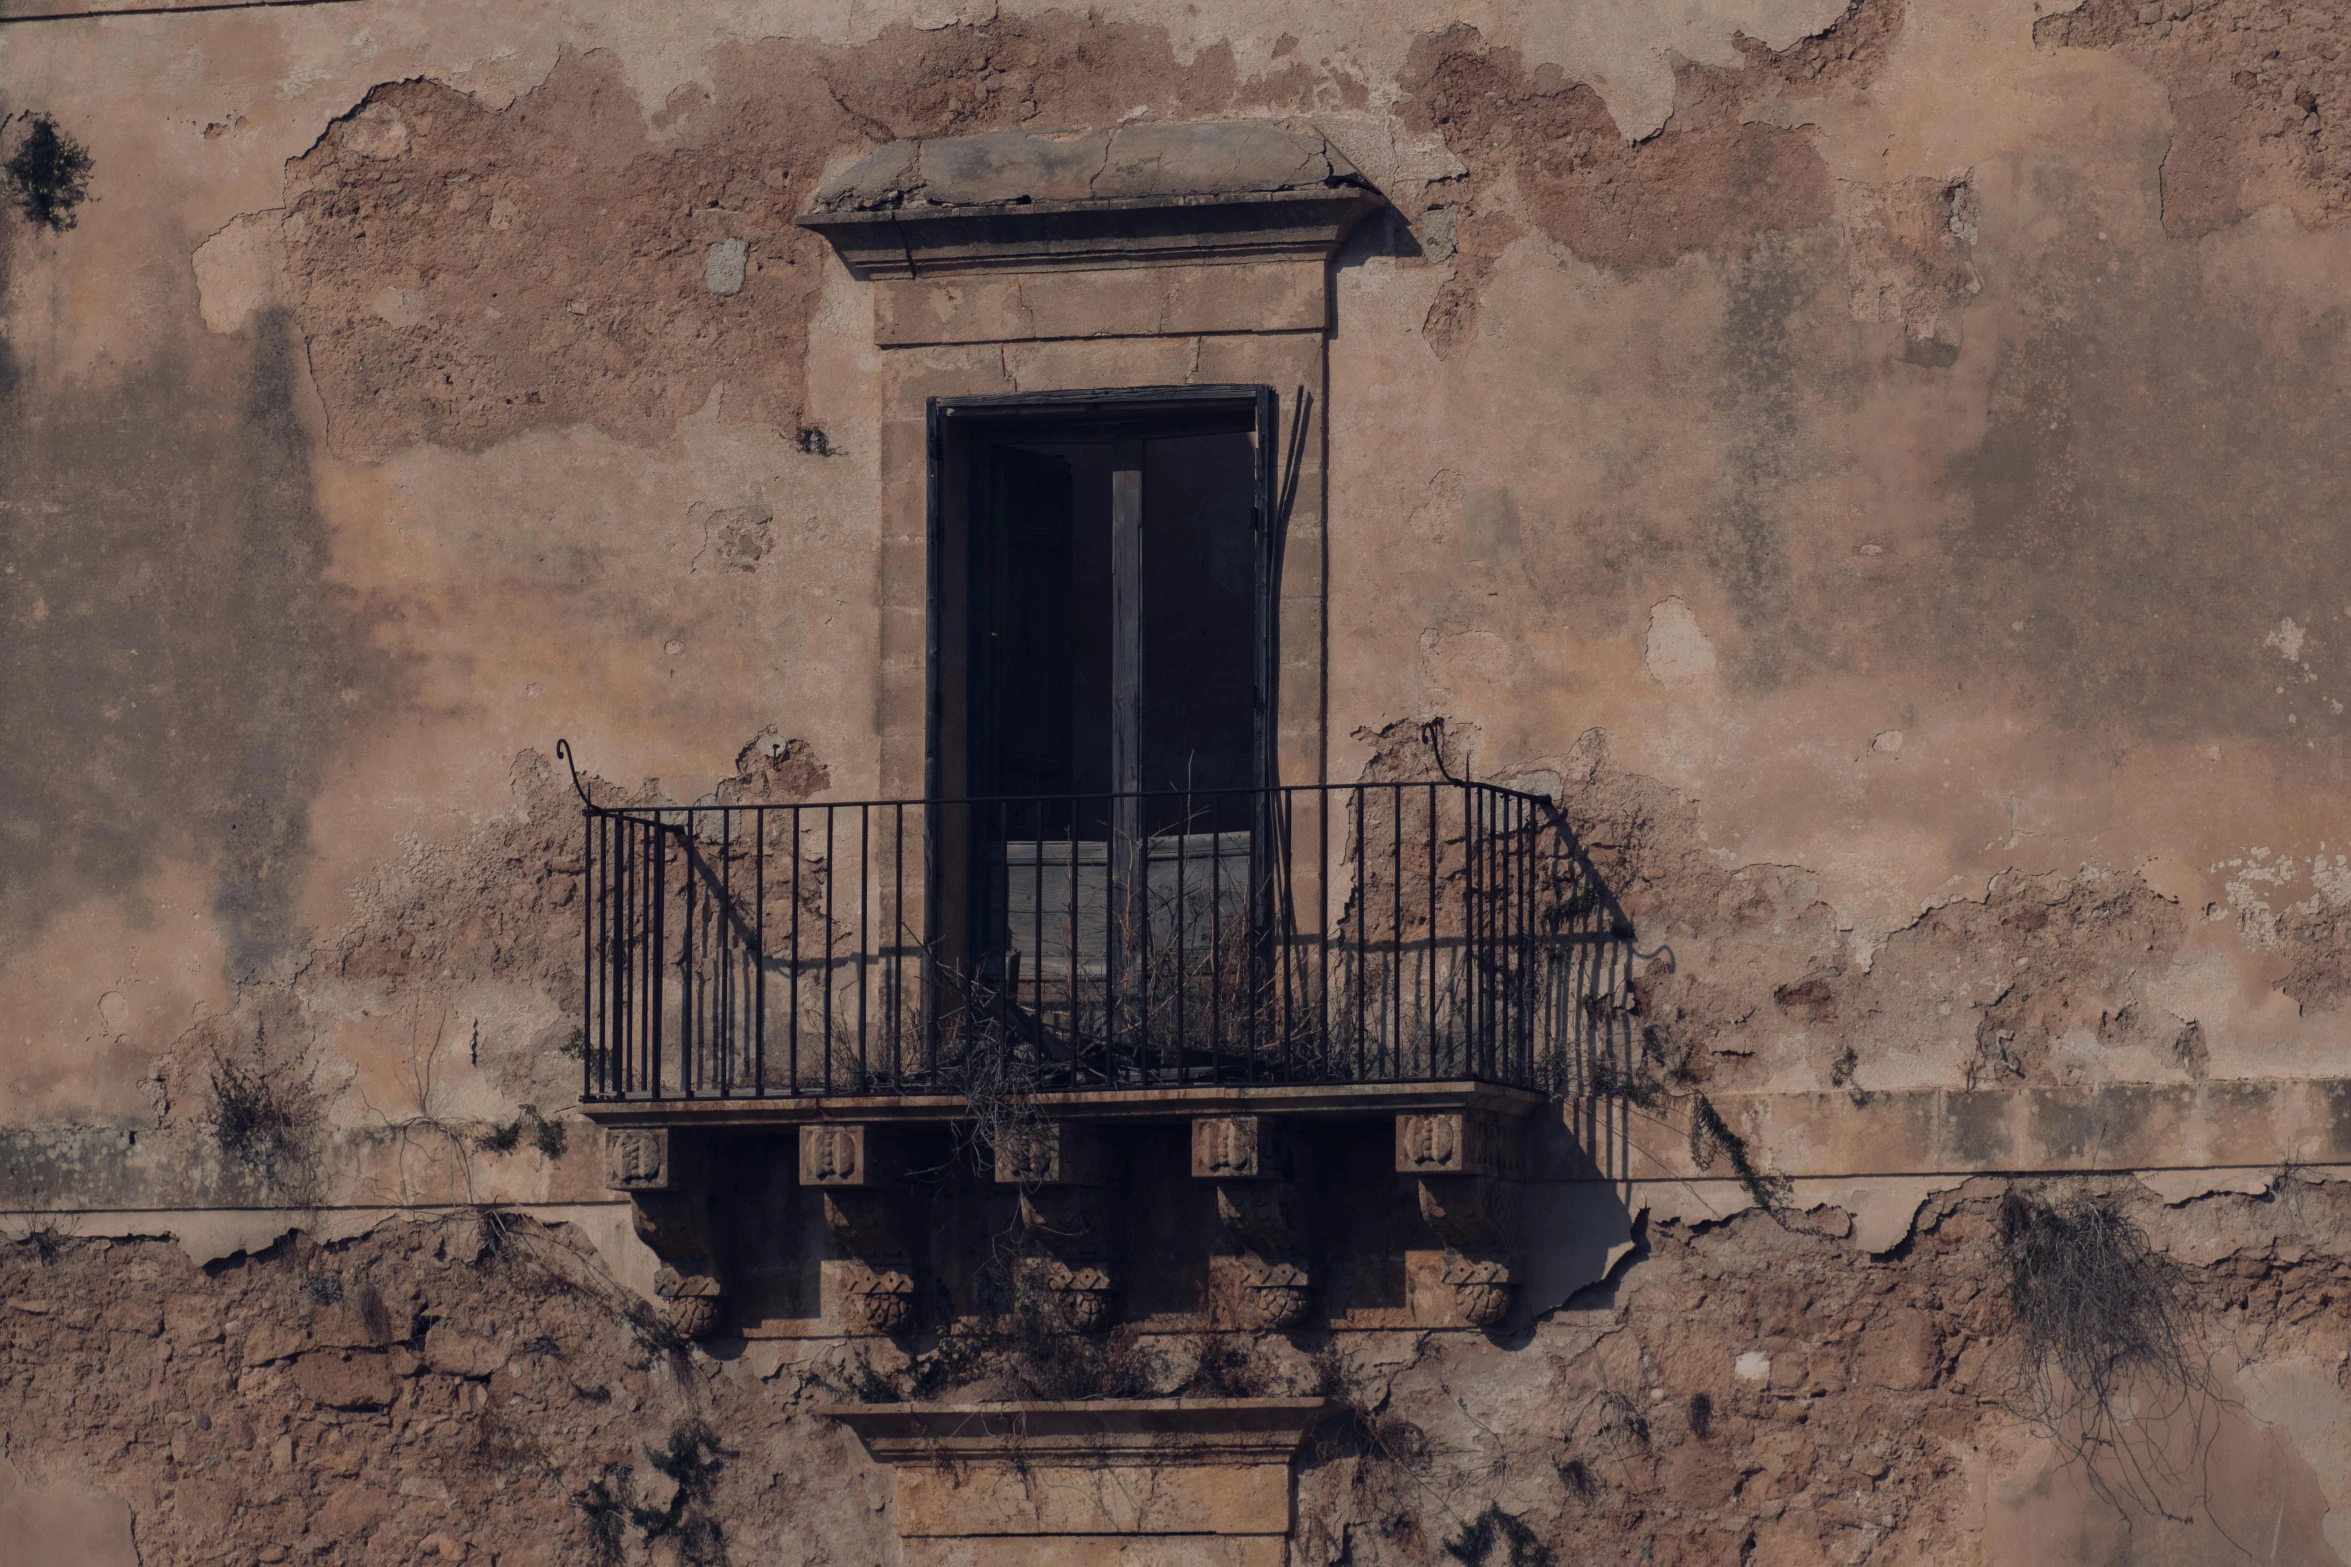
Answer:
(1139, 162)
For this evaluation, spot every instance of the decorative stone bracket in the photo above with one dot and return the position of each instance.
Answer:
(1283, 1248)
(1063, 1172)
(666, 1176)
(856, 1170)
(1257, 1202)
(1467, 1163)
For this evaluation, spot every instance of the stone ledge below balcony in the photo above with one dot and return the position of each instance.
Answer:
(1325, 1101)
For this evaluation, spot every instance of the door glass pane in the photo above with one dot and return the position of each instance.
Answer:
(1027, 631)
(1199, 494)
(1041, 712)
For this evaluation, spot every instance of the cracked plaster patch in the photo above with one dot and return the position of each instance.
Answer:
(2180, 1187)
(1679, 652)
(1628, 51)
(1881, 1209)
(237, 270)
(724, 266)
(2300, 1394)
(64, 1527)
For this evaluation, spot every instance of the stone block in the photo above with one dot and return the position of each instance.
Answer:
(456, 1354)
(1010, 166)
(723, 266)
(904, 762)
(1152, 160)
(66, 1524)
(1074, 364)
(345, 1379)
(906, 631)
(1033, 1499)
(352, 1513)
(1053, 1153)
(910, 376)
(906, 443)
(1237, 1148)
(900, 705)
(906, 573)
(1159, 157)
(1900, 1351)
(1100, 1550)
(652, 1158)
(1232, 190)
(1456, 1142)
(1101, 1483)
(1247, 297)
(273, 1341)
(845, 1155)
(1283, 359)
(882, 174)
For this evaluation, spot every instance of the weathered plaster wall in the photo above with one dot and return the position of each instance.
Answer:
(1745, 1394)
(1880, 467)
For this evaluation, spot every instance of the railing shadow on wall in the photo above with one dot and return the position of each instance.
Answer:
(1367, 933)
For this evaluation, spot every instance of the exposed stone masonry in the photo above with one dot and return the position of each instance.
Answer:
(465, 1392)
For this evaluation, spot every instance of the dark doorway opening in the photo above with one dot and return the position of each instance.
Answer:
(1101, 633)
(1113, 632)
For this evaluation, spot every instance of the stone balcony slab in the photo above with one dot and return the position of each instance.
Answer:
(1316, 1101)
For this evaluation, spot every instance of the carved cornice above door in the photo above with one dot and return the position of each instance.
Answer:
(1137, 195)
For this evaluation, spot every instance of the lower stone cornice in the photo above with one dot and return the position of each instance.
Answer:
(1153, 1431)
(2016, 1130)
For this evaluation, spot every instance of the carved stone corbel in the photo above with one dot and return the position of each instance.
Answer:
(1257, 1202)
(1466, 1164)
(1064, 1175)
(665, 1174)
(857, 1175)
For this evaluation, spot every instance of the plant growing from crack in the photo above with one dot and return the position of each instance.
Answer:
(604, 1513)
(1845, 1073)
(548, 1137)
(48, 175)
(266, 1121)
(609, 1505)
(46, 1236)
(1710, 1135)
(2109, 1365)
(1474, 1545)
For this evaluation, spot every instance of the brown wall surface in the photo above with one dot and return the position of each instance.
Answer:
(1880, 468)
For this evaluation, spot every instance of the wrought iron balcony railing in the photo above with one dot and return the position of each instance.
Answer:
(1364, 933)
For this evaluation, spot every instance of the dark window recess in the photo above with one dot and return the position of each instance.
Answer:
(1114, 637)
(1196, 633)
(1027, 697)
(1103, 575)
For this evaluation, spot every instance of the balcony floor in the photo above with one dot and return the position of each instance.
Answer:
(1321, 1101)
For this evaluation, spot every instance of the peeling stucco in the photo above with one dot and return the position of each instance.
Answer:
(1876, 466)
